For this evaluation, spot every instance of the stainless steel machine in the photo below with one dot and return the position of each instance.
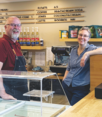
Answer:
(61, 58)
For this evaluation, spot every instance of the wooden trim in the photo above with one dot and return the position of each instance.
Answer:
(60, 8)
(59, 17)
(2, 19)
(75, 40)
(22, 10)
(18, 10)
(20, 19)
(27, 22)
(69, 40)
(16, 14)
(55, 77)
(26, 18)
(53, 22)
(60, 21)
(59, 13)
(2, 23)
(95, 71)
(33, 47)
(59, 111)
(21, 23)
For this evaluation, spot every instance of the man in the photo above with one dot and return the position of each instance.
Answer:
(12, 59)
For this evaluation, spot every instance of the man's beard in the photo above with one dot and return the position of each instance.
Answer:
(15, 36)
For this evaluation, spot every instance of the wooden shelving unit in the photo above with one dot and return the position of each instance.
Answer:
(61, 16)
(33, 47)
(75, 40)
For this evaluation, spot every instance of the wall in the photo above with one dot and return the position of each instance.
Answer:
(50, 32)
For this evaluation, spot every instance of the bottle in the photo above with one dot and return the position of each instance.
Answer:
(41, 42)
(18, 39)
(28, 37)
(32, 37)
(24, 37)
(37, 37)
(21, 38)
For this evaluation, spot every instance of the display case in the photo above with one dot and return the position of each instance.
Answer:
(48, 104)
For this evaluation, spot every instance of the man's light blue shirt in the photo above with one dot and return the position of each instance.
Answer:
(78, 76)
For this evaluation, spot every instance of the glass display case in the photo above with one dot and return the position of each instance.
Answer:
(42, 100)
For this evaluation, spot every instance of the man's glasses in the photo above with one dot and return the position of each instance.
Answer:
(14, 25)
(83, 35)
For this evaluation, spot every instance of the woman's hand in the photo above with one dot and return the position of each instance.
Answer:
(66, 72)
(63, 78)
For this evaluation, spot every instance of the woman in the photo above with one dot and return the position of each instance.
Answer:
(76, 81)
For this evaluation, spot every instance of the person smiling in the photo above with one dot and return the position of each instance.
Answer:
(12, 59)
(76, 80)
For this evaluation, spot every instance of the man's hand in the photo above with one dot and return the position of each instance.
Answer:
(6, 96)
(83, 59)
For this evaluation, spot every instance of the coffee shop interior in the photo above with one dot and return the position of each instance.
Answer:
(49, 32)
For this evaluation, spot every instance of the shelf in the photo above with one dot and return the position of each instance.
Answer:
(37, 93)
(60, 8)
(2, 23)
(60, 21)
(33, 47)
(59, 17)
(75, 40)
(27, 22)
(16, 10)
(26, 18)
(2, 19)
(16, 14)
(21, 23)
(20, 19)
(59, 13)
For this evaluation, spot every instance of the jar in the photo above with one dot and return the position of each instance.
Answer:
(41, 42)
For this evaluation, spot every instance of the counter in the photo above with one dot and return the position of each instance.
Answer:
(89, 106)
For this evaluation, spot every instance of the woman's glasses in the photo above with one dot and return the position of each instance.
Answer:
(81, 35)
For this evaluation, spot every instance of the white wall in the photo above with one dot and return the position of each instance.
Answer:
(50, 32)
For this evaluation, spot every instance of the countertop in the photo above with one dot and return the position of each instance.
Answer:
(89, 106)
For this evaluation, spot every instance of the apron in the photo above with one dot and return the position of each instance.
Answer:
(17, 87)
